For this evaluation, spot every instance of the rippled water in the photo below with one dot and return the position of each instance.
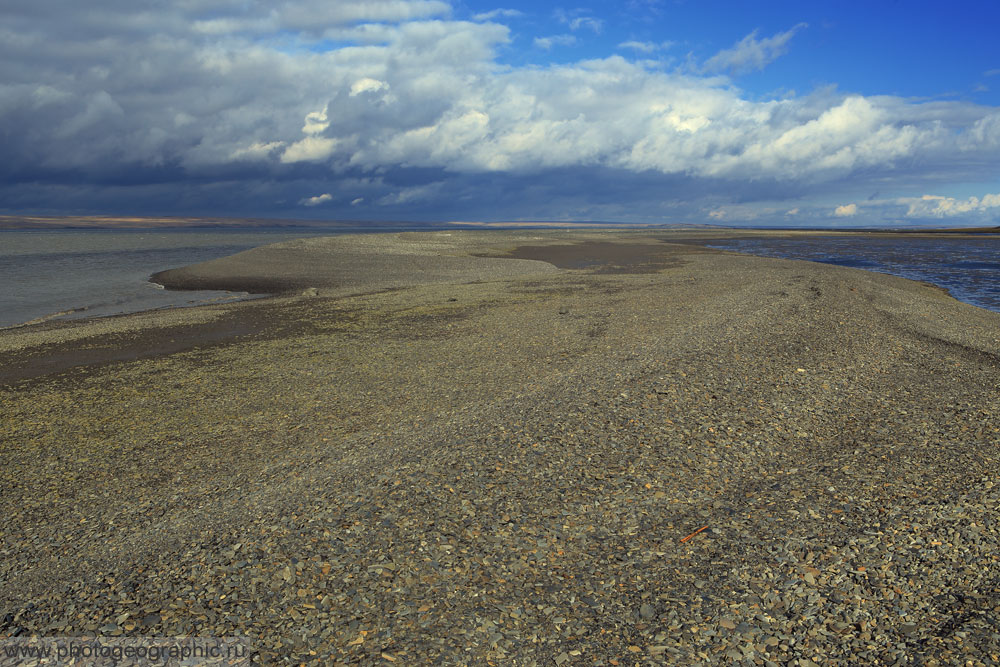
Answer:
(969, 268)
(72, 273)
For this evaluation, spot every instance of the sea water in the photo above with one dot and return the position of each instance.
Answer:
(48, 274)
(968, 267)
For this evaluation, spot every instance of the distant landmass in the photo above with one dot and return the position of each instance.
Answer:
(126, 222)
(25, 222)
(954, 230)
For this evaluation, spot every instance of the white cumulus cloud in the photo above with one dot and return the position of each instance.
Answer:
(936, 206)
(317, 200)
(257, 150)
(316, 122)
(310, 149)
(846, 211)
(367, 85)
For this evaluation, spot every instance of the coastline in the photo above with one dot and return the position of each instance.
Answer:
(68, 274)
(126, 298)
(500, 460)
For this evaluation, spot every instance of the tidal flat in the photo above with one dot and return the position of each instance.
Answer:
(530, 447)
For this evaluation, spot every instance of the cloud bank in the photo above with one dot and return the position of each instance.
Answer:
(393, 108)
(936, 206)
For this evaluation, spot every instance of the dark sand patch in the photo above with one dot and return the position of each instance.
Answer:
(58, 358)
(606, 257)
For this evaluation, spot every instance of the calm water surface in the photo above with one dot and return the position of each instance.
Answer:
(71, 273)
(969, 268)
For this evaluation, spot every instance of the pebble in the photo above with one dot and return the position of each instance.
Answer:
(400, 478)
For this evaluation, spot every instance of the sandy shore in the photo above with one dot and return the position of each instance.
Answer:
(490, 447)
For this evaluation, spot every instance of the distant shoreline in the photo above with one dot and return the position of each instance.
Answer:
(269, 284)
(69, 222)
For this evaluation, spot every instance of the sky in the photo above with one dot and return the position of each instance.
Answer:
(821, 113)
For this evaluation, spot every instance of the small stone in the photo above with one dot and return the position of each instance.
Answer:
(647, 611)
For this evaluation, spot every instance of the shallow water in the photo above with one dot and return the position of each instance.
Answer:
(969, 268)
(51, 274)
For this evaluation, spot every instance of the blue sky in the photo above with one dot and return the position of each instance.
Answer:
(768, 113)
(911, 49)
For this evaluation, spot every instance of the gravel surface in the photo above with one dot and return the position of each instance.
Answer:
(514, 471)
(364, 261)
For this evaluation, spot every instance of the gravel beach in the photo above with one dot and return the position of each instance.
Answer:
(514, 448)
